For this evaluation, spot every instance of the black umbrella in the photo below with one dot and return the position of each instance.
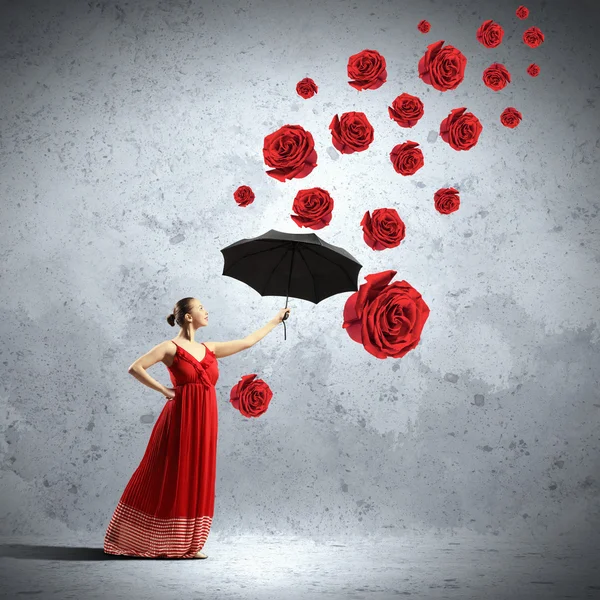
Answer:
(301, 265)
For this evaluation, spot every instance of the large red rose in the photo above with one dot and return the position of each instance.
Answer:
(385, 229)
(406, 110)
(251, 397)
(306, 88)
(490, 34)
(407, 158)
(314, 208)
(510, 117)
(442, 67)
(386, 319)
(533, 70)
(496, 76)
(351, 132)
(461, 129)
(244, 195)
(291, 152)
(446, 200)
(367, 69)
(533, 37)
(522, 12)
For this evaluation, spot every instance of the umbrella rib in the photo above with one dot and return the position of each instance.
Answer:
(337, 264)
(257, 252)
(312, 277)
(273, 271)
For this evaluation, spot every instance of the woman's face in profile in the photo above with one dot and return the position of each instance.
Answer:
(201, 311)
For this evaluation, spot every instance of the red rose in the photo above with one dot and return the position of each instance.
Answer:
(461, 129)
(250, 397)
(306, 88)
(510, 117)
(386, 319)
(424, 26)
(533, 37)
(352, 132)
(490, 34)
(291, 151)
(367, 69)
(442, 68)
(314, 208)
(385, 229)
(533, 70)
(406, 110)
(446, 200)
(407, 158)
(244, 195)
(522, 12)
(496, 77)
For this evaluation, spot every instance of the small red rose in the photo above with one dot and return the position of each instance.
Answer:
(351, 132)
(385, 229)
(490, 34)
(367, 69)
(461, 129)
(406, 110)
(446, 200)
(291, 152)
(522, 12)
(533, 37)
(424, 26)
(407, 158)
(251, 397)
(244, 195)
(442, 67)
(306, 88)
(386, 319)
(313, 207)
(533, 70)
(496, 76)
(510, 117)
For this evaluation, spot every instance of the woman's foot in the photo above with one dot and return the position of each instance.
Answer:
(200, 554)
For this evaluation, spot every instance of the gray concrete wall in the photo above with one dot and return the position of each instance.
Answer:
(125, 129)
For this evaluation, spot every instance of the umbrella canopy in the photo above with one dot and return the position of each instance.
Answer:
(300, 265)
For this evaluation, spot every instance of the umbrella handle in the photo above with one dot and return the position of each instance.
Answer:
(283, 321)
(286, 303)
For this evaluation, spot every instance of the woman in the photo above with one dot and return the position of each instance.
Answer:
(167, 506)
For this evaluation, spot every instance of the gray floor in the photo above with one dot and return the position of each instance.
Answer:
(482, 568)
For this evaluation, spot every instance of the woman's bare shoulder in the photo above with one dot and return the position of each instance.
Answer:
(169, 347)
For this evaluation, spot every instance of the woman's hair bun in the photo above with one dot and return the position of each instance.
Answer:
(182, 307)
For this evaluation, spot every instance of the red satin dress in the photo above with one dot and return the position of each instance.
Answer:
(167, 507)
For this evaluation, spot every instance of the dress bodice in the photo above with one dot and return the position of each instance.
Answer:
(188, 369)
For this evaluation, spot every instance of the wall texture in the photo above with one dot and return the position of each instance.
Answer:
(125, 128)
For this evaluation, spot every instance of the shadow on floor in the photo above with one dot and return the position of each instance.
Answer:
(72, 553)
